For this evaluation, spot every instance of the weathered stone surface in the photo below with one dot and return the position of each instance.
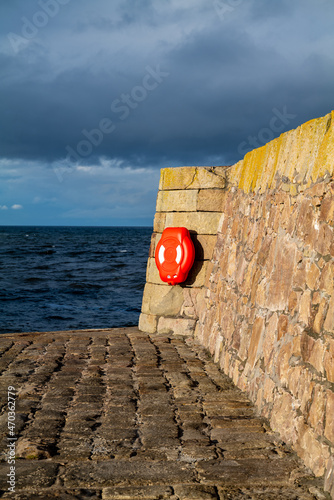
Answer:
(329, 429)
(200, 222)
(329, 322)
(320, 316)
(192, 178)
(317, 410)
(159, 222)
(162, 300)
(314, 454)
(177, 201)
(329, 359)
(246, 471)
(327, 278)
(41, 474)
(181, 326)
(281, 279)
(287, 155)
(283, 414)
(147, 416)
(211, 200)
(267, 309)
(148, 323)
(139, 493)
(204, 245)
(256, 338)
(154, 241)
(329, 477)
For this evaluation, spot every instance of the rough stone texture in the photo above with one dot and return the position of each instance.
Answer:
(122, 414)
(268, 314)
(210, 201)
(200, 222)
(177, 201)
(148, 323)
(183, 326)
(266, 309)
(299, 156)
(192, 178)
(189, 197)
(162, 300)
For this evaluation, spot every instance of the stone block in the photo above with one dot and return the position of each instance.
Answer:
(320, 316)
(323, 239)
(137, 493)
(329, 429)
(329, 477)
(192, 178)
(256, 340)
(155, 238)
(314, 454)
(327, 210)
(282, 327)
(125, 473)
(329, 322)
(313, 352)
(152, 273)
(305, 307)
(200, 222)
(159, 222)
(327, 278)
(312, 276)
(211, 200)
(195, 492)
(204, 245)
(177, 201)
(281, 279)
(189, 303)
(317, 409)
(162, 300)
(269, 389)
(177, 326)
(269, 340)
(329, 359)
(148, 323)
(197, 274)
(284, 417)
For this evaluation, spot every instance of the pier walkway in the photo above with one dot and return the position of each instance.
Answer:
(121, 414)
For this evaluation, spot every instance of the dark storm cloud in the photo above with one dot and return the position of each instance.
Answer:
(225, 77)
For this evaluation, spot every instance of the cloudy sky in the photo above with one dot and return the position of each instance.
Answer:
(97, 96)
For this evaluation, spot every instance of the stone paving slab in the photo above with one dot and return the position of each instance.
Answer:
(121, 414)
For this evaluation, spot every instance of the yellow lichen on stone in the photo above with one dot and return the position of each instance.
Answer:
(233, 174)
(177, 178)
(192, 178)
(302, 155)
(252, 162)
(325, 158)
(273, 161)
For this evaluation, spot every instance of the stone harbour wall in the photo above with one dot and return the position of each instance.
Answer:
(261, 294)
(189, 197)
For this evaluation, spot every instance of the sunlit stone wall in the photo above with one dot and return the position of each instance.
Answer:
(261, 294)
(189, 197)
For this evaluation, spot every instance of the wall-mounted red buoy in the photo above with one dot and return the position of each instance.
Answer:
(174, 255)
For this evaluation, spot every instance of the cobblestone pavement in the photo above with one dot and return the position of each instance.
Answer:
(120, 414)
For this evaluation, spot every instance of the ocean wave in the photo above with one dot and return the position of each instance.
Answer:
(64, 278)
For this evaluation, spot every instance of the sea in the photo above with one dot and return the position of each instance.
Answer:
(65, 278)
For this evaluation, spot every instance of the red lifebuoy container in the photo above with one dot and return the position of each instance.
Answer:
(174, 255)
